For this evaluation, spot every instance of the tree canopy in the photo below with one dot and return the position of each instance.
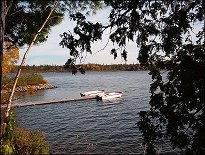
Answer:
(24, 18)
(165, 34)
(20, 20)
(28, 23)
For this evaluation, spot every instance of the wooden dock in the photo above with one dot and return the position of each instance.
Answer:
(51, 101)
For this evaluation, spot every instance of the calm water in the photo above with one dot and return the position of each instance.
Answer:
(90, 126)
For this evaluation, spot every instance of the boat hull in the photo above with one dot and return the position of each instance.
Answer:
(93, 93)
(110, 96)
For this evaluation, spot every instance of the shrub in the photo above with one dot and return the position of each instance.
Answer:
(27, 142)
(30, 79)
(20, 141)
(24, 80)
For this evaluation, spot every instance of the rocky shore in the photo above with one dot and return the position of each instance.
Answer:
(33, 87)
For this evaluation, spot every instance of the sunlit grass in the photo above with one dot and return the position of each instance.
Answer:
(24, 80)
(27, 142)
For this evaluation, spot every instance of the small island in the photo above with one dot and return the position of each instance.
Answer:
(28, 82)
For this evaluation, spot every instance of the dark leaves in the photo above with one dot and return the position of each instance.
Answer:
(114, 53)
(124, 55)
(162, 31)
(144, 54)
(25, 18)
(87, 33)
(74, 70)
(78, 17)
(70, 65)
(82, 71)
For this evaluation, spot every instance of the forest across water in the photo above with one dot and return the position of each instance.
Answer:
(86, 67)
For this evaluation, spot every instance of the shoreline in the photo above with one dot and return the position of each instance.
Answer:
(33, 87)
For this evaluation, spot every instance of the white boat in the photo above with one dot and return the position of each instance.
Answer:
(109, 96)
(93, 93)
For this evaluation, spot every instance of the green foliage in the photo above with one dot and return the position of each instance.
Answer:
(101, 68)
(20, 141)
(30, 79)
(24, 18)
(24, 80)
(27, 142)
(163, 31)
(7, 145)
(86, 67)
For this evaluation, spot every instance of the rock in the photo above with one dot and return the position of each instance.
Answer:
(35, 87)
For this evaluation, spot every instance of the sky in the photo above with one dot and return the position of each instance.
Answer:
(50, 53)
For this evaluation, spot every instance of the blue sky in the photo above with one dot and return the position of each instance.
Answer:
(51, 53)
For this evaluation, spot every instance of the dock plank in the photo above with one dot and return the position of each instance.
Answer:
(51, 101)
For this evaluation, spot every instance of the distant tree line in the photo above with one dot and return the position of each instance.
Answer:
(85, 67)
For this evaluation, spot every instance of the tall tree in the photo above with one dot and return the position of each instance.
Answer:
(3, 6)
(166, 36)
(20, 21)
(27, 22)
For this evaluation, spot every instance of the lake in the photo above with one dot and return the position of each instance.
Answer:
(90, 126)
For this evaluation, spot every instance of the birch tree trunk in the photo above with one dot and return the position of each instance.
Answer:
(8, 108)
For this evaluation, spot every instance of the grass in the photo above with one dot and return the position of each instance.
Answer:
(27, 142)
(24, 141)
(24, 80)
